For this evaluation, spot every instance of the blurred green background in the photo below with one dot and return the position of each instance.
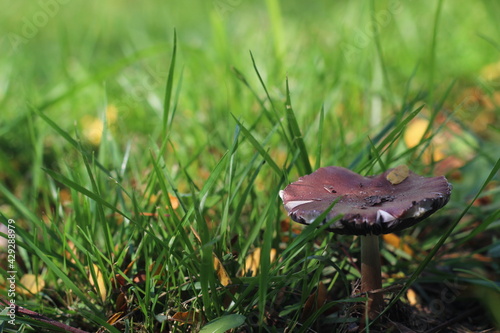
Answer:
(326, 48)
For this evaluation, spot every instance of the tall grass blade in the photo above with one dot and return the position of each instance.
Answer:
(108, 237)
(275, 119)
(432, 52)
(296, 135)
(319, 147)
(168, 90)
(223, 324)
(259, 148)
(378, 47)
(265, 261)
(94, 196)
(206, 273)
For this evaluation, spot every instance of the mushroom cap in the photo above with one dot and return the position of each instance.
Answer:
(367, 205)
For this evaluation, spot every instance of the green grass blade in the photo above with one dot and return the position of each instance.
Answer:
(265, 261)
(18, 204)
(168, 90)
(100, 216)
(296, 135)
(94, 196)
(259, 147)
(493, 217)
(223, 324)
(275, 119)
(487, 282)
(274, 10)
(206, 272)
(380, 54)
(229, 188)
(319, 147)
(432, 52)
(377, 157)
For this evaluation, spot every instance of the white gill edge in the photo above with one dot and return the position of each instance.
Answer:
(292, 204)
(383, 216)
(282, 193)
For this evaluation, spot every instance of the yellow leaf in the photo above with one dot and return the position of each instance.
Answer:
(314, 301)
(398, 174)
(252, 262)
(114, 318)
(189, 317)
(71, 251)
(158, 270)
(272, 255)
(65, 196)
(99, 285)
(396, 242)
(221, 272)
(32, 284)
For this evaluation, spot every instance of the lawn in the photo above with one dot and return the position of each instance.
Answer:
(144, 147)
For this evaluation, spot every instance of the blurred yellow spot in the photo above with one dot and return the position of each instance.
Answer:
(111, 114)
(415, 132)
(32, 284)
(412, 297)
(491, 72)
(93, 127)
(153, 198)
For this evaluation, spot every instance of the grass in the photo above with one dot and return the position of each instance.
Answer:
(142, 156)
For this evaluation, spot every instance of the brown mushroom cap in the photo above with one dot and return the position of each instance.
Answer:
(367, 205)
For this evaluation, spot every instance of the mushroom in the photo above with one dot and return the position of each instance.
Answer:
(366, 206)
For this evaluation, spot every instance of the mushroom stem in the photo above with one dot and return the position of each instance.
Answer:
(371, 274)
